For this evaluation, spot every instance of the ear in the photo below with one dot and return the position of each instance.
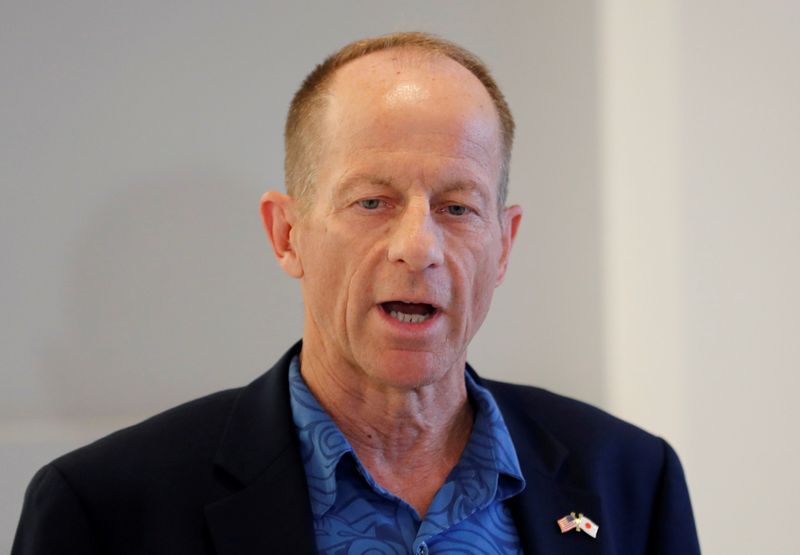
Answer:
(509, 225)
(279, 213)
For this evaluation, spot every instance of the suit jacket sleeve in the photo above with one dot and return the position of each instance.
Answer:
(53, 519)
(672, 529)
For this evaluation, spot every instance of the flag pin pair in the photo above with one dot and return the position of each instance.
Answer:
(578, 523)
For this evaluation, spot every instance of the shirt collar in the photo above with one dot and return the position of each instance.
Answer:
(491, 440)
(323, 445)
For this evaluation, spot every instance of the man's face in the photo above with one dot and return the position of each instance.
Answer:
(402, 246)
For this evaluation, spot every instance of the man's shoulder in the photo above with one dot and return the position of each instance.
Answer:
(551, 407)
(583, 429)
(189, 435)
(178, 437)
(627, 478)
(149, 485)
(155, 475)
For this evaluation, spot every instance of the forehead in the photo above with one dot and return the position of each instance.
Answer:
(398, 78)
(413, 102)
(381, 69)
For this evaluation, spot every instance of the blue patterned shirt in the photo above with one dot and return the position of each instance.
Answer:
(353, 514)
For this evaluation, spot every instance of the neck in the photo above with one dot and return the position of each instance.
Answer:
(409, 439)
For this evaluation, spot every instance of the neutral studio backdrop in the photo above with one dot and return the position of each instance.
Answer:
(655, 273)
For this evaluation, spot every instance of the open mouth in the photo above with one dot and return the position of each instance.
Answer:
(409, 313)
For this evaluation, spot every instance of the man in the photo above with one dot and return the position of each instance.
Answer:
(373, 435)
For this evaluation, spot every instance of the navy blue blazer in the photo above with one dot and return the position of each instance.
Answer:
(223, 475)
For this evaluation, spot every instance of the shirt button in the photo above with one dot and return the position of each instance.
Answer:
(422, 549)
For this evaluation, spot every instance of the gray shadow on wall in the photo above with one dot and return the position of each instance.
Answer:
(546, 326)
(172, 294)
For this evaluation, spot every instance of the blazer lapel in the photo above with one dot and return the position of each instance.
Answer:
(269, 512)
(548, 493)
(541, 504)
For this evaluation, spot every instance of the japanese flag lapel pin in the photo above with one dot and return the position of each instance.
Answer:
(587, 525)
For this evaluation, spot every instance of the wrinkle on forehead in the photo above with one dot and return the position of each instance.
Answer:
(473, 150)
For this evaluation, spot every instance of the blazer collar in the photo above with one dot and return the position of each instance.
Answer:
(549, 493)
(260, 427)
(269, 511)
(540, 450)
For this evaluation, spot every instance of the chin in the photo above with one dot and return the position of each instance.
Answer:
(408, 369)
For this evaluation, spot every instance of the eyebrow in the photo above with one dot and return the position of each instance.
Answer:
(360, 179)
(468, 185)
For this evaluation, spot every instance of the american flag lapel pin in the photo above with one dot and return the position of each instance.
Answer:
(567, 523)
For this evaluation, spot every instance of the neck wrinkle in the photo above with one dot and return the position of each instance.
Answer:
(392, 430)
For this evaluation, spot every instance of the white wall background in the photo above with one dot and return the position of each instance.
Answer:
(700, 130)
(654, 274)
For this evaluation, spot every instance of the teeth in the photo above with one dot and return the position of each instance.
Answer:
(409, 318)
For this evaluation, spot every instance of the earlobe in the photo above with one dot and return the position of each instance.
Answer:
(512, 216)
(278, 214)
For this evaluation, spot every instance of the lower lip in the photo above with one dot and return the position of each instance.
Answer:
(410, 327)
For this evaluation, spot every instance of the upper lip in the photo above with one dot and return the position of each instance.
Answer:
(412, 300)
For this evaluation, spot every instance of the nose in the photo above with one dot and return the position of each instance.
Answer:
(416, 239)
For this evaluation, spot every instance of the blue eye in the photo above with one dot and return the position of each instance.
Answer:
(456, 210)
(370, 203)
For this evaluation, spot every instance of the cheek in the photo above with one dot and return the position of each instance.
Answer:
(322, 268)
(338, 271)
(485, 265)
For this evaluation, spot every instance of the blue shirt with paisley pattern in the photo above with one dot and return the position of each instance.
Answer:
(353, 514)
